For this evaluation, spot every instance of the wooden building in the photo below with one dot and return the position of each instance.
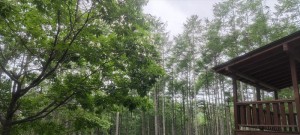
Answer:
(271, 68)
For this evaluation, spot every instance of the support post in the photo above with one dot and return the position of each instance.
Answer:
(235, 99)
(276, 95)
(260, 106)
(296, 88)
(258, 97)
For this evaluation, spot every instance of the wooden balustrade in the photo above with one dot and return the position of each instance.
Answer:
(275, 115)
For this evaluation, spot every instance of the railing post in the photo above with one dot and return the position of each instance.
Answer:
(275, 105)
(296, 88)
(235, 99)
(260, 108)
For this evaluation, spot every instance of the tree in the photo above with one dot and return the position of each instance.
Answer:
(86, 53)
(288, 12)
(184, 55)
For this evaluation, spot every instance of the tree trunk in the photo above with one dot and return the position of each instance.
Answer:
(156, 111)
(183, 113)
(173, 108)
(163, 92)
(6, 128)
(163, 110)
(143, 123)
(126, 123)
(7, 124)
(148, 125)
(117, 123)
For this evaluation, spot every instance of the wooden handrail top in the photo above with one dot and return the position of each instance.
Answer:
(263, 102)
(243, 125)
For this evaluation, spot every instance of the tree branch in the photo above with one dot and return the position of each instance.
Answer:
(25, 69)
(39, 79)
(72, 24)
(76, 10)
(44, 75)
(76, 19)
(2, 55)
(22, 65)
(44, 112)
(70, 15)
(17, 35)
(58, 28)
(27, 48)
(11, 76)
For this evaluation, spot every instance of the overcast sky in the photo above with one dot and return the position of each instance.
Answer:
(175, 12)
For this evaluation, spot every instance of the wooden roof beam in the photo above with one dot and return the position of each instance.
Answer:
(292, 52)
(251, 79)
(249, 57)
(263, 52)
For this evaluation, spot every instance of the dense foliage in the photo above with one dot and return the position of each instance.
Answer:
(72, 61)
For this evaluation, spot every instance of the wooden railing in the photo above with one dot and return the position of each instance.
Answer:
(276, 115)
